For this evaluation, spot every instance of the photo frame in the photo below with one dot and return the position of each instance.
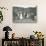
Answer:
(24, 15)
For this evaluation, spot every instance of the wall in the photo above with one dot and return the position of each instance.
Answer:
(25, 29)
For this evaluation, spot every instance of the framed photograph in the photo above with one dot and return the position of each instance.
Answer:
(24, 15)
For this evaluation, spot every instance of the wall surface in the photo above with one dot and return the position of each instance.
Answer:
(23, 29)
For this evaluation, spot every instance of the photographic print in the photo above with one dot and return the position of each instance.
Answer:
(24, 15)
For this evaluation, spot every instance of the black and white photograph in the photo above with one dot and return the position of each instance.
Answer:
(24, 15)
